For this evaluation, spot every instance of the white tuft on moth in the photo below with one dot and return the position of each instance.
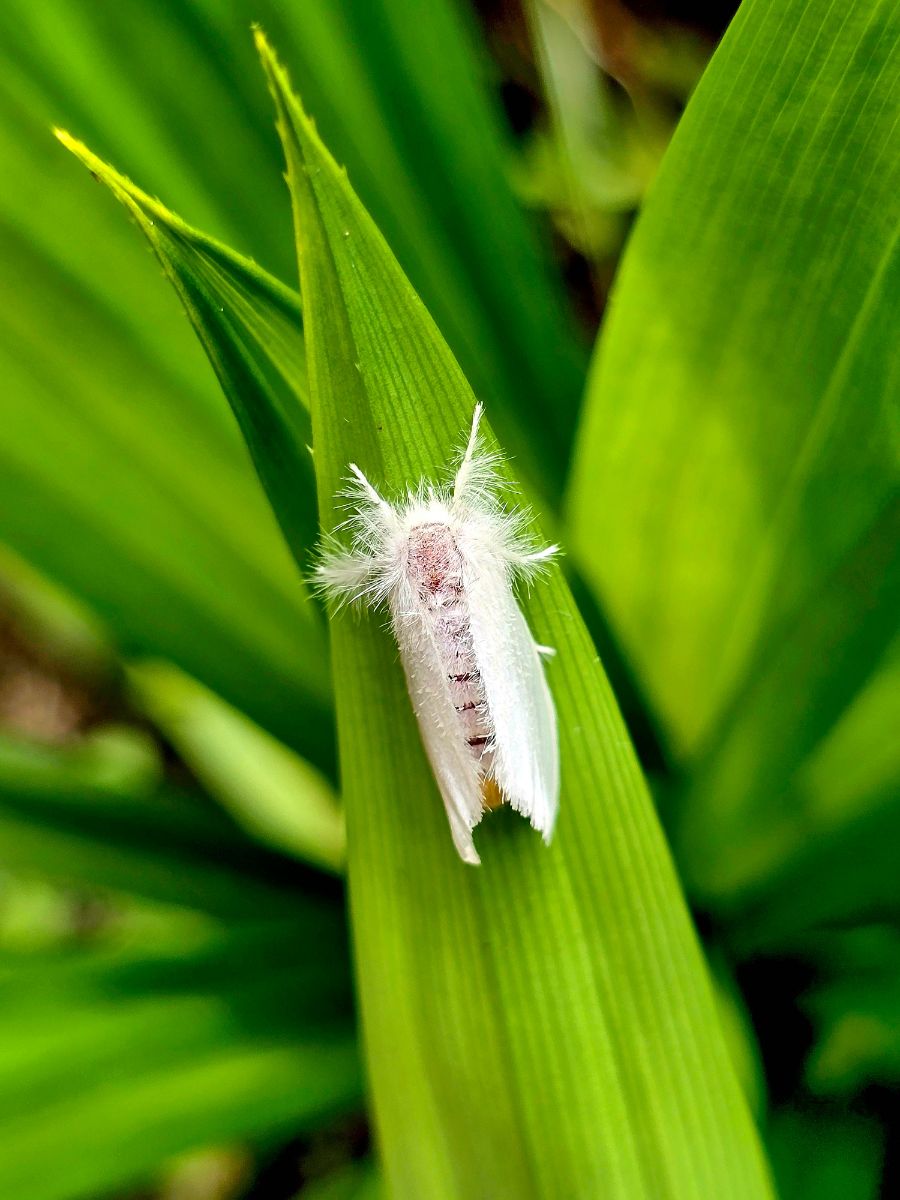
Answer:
(444, 562)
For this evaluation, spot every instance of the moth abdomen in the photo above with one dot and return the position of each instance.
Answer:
(435, 575)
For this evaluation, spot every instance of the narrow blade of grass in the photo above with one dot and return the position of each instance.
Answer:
(249, 324)
(276, 795)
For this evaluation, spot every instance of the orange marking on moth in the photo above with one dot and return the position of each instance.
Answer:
(491, 794)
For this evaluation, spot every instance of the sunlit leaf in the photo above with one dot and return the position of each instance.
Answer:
(122, 476)
(558, 994)
(405, 104)
(269, 789)
(408, 104)
(735, 501)
(249, 324)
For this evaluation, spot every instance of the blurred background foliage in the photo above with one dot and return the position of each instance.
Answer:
(179, 1011)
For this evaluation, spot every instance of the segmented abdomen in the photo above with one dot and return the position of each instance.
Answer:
(435, 572)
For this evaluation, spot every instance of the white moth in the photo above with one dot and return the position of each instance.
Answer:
(444, 562)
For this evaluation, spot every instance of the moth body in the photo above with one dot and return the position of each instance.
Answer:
(434, 567)
(444, 564)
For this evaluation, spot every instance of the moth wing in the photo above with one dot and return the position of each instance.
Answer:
(526, 751)
(454, 768)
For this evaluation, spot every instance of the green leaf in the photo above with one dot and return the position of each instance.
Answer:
(593, 162)
(359, 1181)
(143, 83)
(63, 818)
(271, 791)
(406, 103)
(122, 477)
(735, 499)
(486, 279)
(828, 854)
(249, 325)
(856, 1012)
(842, 875)
(47, 616)
(826, 1155)
(113, 1062)
(409, 105)
(842, 793)
(542, 1025)
(859, 1042)
(739, 1034)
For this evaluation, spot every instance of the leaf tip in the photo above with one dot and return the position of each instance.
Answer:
(267, 55)
(72, 144)
(100, 170)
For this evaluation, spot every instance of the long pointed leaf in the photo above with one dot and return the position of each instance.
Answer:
(272, 792)
(736, 500)
(249, 324)
(541, 1026)
(409, 106)
(122, 476)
